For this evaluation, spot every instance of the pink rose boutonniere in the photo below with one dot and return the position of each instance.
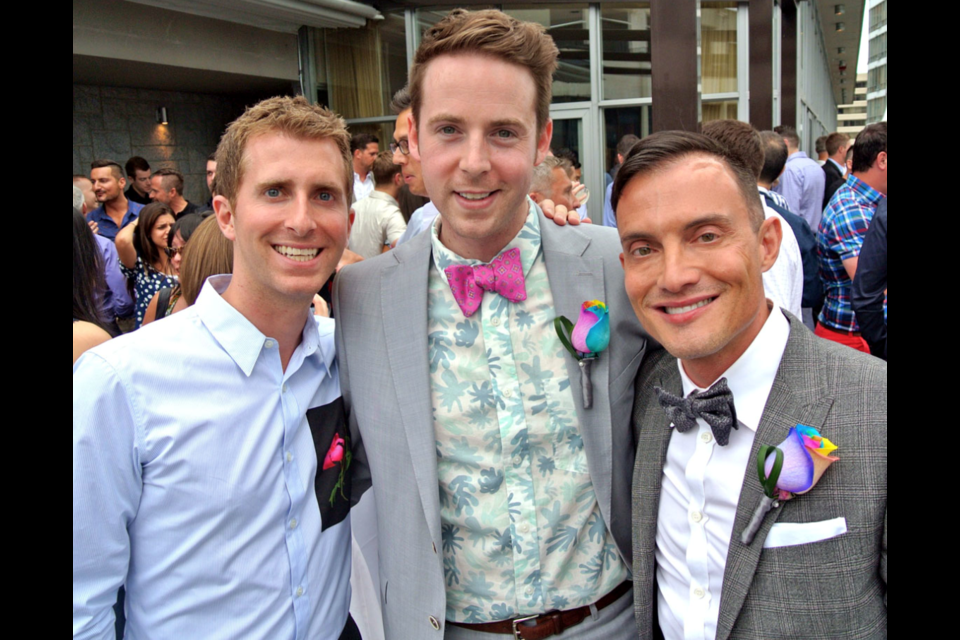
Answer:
(788, 470)
(588, 338)
(338, 453)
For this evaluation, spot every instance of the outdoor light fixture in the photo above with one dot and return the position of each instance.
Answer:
(841, 50)
(841, 27)
(839, 10)
(162, 115)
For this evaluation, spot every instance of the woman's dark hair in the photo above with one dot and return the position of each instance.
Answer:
(146, 249)
(88, 280)
(186, 225)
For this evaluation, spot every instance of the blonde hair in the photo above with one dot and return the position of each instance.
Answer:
(492, 33)
(293, 116)
(207, 253)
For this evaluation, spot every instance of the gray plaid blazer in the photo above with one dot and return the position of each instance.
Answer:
(834, 588)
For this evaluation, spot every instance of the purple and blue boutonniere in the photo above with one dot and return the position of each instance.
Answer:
(587, 339)
(789, 469)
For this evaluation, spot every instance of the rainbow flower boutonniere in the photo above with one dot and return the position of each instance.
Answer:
(586, 340)
(789, 469)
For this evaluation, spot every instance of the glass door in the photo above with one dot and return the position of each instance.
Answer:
(574, 130)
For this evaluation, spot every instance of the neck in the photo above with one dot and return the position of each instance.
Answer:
(163, 263)
(116, 208)
(790, 151)
(765, 185)
(839, 161)
(280, 320)
(178, 203)
(485, 249)
(360, 171)
(389, 189)
(706, 370)
(871, 179)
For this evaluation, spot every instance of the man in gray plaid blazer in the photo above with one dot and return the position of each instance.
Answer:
(739, 373)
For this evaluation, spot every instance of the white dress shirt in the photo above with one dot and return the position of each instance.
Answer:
(362, 188)
(783, 282)
(377, 222)
(701, 489)
(193, 482)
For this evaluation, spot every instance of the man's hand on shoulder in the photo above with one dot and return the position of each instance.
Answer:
(561, 215)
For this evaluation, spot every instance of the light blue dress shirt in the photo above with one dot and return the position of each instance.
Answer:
(609, 215)
(193, 482)
(420, 220)
(802, 185)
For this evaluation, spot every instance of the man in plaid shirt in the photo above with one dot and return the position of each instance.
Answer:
(842, 230)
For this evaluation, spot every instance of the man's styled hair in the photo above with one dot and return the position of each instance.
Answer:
(626, 143)
(170, 179)
(384, 169)
(294, 117)
(774, 156)
(789, 135)
(113, 164)
(78, 200)
(870, 142)
(543, 174)
(820, 145)
(401, 101)
(664, 149)
(490, 33)
(741, 140)
(360, 141)
(568, 154)
(835, 142)
(136, 163)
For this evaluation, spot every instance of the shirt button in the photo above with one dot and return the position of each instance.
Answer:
(696, 516)
(517, 460)
(293, 523)
(508, 394)
(284, 388)
(434, 623)
(289, 457)
(706, 436)
(524, 528)
(699, 592)
(299, 591)
(495, 321)
(528, 591)
(268, 344)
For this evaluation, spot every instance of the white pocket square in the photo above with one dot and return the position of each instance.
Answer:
(788, 534)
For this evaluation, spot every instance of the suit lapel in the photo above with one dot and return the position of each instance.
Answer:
(404, 309)
(798, 395)
(575, 278)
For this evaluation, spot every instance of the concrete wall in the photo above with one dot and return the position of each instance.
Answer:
(117, 123)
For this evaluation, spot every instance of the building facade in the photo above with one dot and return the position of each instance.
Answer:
(877, 62)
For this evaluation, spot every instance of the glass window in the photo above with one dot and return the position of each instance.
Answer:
(719, 110)
(568, 134)
(718, 46)
(569, 27)
(620, 122)
(365, 67)
(626, 50)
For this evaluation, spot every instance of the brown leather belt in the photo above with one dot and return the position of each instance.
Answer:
(546, 624)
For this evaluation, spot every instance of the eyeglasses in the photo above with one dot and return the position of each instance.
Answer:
(403, 146)
(172, 251)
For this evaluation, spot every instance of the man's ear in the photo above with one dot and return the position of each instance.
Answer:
(543, 142)
(225, 217)
(771, 235)
(536, 197)
(413, 137)
(122, 182)
(882, 160)
(398, 179)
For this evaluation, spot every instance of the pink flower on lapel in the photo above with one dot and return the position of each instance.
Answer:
(335, 454)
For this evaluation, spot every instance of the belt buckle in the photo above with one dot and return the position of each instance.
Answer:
(517, 621)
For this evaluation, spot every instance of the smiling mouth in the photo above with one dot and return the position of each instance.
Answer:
(474, 196)
(672, 311)
(297, 254)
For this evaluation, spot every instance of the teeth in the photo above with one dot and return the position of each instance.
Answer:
(675, 310)
(474, 196)
(294, 253)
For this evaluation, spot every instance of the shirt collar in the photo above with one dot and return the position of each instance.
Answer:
(837, 165)
(386, 197)
(751, 377)
(357, 180)
(528, 241)
(867, 192)
(798, 154)
(242, 341)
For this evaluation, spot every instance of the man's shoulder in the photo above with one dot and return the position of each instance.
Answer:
(165, 341)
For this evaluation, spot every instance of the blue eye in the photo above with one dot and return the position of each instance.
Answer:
(326, 197)
(503, 133)
(447, 130)
(273, 193)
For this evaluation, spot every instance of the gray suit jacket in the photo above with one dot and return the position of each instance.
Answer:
(381, 310)
(835, 588)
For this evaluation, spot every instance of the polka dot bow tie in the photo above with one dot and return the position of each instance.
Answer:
(504, 275)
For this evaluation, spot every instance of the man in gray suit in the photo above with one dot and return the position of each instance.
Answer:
(502, 494)
(747, 373)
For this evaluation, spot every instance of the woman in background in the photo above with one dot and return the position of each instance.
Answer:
(88, 285)
(165, 300)
(142, 247)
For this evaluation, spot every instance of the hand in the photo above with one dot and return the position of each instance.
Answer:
(349, 257)
(93, 226)
(560, 214)
(320, 307)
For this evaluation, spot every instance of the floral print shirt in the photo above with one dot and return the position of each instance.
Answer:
(521, 525)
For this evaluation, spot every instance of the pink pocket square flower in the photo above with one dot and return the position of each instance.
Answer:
(789, 469)
(335, 453)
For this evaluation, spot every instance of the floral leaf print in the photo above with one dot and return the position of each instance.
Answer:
(439, 353)
(596, 528)
(546, 466)
(451, 573)
(560, 603)
(485, 396)
(494, 443)
(477, 532)
(443, 311)
(449, 535)
(524, 320)
(479, 417)
(492, 360)
(501, 611)
(474, 614)
(463, 455)
(538, 377)
(477, 586)
(490, 480)
(562, 539)
(463, 497)
(554, 517)
(452, 392)
(467, 333)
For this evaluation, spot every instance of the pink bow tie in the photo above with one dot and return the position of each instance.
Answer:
(504, 275)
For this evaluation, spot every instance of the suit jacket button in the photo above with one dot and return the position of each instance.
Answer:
(434, 623)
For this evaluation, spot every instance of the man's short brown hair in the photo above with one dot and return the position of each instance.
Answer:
(835, 142)
(741, 141)
(113, 165)
(170, 179)
(292, 116)
(495, 34)
(384, 169)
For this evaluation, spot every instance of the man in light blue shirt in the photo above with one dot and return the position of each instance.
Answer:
(802, 182)
(211, 463)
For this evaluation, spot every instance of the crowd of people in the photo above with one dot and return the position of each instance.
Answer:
(525, 480)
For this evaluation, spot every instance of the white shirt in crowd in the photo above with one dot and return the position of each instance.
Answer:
(783, 282)
(362, 188)
(377, 222)
(700, 491)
